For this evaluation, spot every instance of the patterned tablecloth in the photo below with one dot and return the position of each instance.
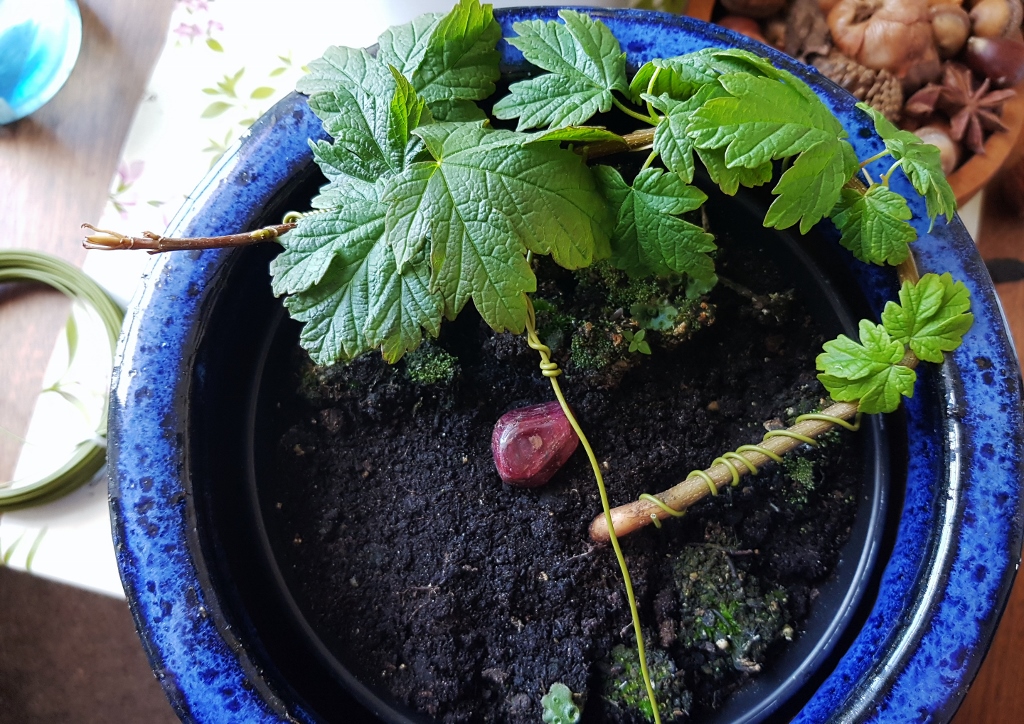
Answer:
(224, 63)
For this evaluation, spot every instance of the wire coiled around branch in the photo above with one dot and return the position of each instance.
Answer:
(730, 459)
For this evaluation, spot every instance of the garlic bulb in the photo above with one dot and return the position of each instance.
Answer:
(891, 35)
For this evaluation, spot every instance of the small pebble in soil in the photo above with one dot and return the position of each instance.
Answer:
(531, 444)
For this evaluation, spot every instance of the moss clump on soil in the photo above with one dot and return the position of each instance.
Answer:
(597, 347)
(589, 317)
(624, 688)
(724, 611)
(430, 364)
(800, 471)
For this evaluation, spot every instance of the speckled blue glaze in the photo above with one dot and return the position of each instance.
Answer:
(206, 674)
(944, 585)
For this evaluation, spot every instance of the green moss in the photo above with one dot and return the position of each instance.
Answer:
(800, 471)
(624, 686)
(430, 365)
(615, 288)
(724, 612)
(675, 320)
(553, 326)
(593, 347)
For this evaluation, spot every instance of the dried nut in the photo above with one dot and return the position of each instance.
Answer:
(775, 33)
(891, 35)
(744, 26)
(951, 25)
(949, 150)
(754, 8)
(827, 5)
(1000, 59)
(996, 18)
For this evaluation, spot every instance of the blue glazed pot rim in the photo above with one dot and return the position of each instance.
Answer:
(959, 539)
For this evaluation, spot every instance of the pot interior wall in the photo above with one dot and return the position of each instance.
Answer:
(232, 420)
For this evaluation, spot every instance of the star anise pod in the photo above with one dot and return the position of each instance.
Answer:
(922, 103)
(972, 110)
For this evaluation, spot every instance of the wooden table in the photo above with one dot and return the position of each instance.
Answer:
(55, 170)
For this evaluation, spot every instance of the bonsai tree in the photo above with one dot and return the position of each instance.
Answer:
(429, 207)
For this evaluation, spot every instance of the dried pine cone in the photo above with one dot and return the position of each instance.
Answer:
(880, 89)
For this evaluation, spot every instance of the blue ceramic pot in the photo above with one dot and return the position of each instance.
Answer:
(948, 565)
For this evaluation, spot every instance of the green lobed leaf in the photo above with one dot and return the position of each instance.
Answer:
(450, 59)
(682, 76)
(402, 304)
(585, 65)
(335, 309)
(811, 187)
(347, 71)
(679, 78)
(459, 63)
(649, 237)
(671, 141)
(920, 162)
(483, 201)
(456, 110)
(333, 162)
(357, 216)
(403, 46)
(874, 225)
(761, 120)
(730, 179)
(932, 316)
(355, 96)
(867, 372)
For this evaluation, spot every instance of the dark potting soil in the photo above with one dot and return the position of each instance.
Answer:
(468, 598)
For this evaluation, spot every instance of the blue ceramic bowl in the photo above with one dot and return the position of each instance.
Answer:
(954, 551)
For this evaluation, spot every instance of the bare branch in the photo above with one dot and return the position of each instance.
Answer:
(155, 244)
(640, 513)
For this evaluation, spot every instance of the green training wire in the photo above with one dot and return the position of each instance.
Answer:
(21, 265)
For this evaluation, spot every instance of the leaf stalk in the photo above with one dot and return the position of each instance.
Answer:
(550, 370)
(633, 114)
(872, 159)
